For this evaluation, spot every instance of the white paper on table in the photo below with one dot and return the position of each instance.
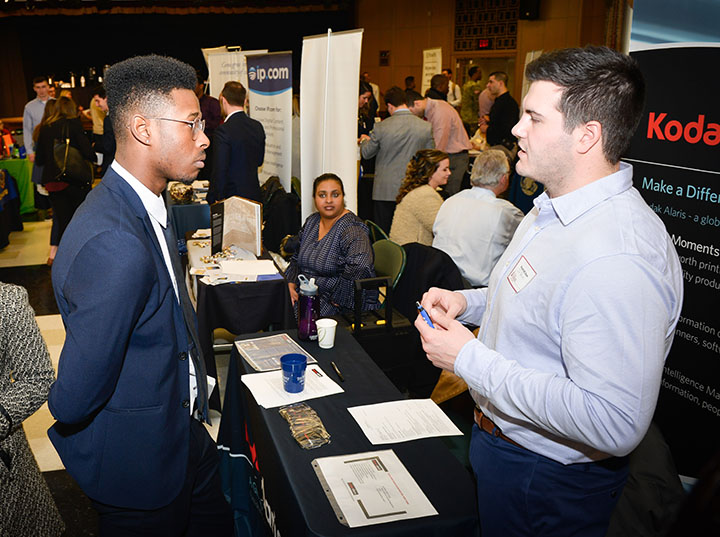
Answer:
(267, 388)
(400, 421)
(203, 233)
(246, 267)
(219, 279)
(371, 488)
(203, 271)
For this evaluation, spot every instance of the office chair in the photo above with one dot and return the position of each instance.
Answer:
(389, 266)
(376, 232)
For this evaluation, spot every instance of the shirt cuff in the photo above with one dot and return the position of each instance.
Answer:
(472, 362)
(476, 300)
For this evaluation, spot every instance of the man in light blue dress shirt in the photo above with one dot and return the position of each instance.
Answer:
(578, 316)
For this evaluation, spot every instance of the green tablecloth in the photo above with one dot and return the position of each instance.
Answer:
(21, 170)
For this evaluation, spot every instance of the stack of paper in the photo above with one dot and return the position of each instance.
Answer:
(267, 388)
(248, 270)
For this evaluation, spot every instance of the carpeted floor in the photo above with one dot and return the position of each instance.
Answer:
(36, 279)
(77, 513)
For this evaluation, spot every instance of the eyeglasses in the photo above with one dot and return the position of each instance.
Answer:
(198, 125)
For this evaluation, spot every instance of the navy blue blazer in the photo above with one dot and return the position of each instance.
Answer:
(122, 391)
(238, 149)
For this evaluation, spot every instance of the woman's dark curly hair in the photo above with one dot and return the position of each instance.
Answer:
(420, 169)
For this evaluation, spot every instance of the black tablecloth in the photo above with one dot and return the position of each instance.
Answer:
(272, 485)
(240, 308)
(189, 217)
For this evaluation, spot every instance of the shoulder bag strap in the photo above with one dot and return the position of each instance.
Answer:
(66, 136)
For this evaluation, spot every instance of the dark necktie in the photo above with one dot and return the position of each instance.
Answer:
(191, 327)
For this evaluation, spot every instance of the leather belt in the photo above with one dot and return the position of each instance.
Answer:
(487, 425)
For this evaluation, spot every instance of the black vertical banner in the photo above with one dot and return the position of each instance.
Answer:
(676, 159)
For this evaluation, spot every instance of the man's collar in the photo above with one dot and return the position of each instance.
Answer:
(154, 205)
(231, 114)
(484, 191)
(570, 206)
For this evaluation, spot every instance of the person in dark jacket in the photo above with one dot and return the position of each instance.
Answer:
(239, 149)
(65, 197)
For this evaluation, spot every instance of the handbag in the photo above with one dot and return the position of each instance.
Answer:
(74, 169)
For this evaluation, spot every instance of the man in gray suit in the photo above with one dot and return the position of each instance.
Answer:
(394, 140)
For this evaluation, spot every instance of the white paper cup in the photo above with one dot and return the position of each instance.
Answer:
(326, 332)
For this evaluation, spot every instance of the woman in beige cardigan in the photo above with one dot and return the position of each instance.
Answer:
(418, 200)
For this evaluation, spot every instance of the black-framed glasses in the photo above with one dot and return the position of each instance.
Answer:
(198, 125)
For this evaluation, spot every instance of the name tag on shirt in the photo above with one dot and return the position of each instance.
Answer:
(521, 275)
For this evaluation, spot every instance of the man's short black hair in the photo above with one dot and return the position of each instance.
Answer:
(500, 76)
(395, 96)
(409, 79)
(599, 84)
(411, 96)
(99, 91)
(40, 80)
(437, 81)
(143, 84)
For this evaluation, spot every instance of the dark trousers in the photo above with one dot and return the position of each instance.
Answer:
(459, 163)
(383, 212)
(64, 204)
(200, 510)
(521, 493)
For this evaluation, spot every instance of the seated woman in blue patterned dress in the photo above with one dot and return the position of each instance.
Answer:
(334, 249)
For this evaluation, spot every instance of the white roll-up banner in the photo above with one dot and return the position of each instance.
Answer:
(329, 80)
(432, 65)
(226, 66)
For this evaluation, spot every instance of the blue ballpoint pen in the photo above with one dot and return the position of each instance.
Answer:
(424, 314)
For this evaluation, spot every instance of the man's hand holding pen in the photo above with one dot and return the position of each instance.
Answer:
(443, 343)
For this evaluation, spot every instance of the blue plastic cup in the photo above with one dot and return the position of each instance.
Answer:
(293, 368)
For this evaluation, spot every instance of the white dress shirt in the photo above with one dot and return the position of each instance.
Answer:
(474, 227)
(454, 94)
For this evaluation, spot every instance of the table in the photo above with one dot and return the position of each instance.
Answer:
(21, 170)
(240, 308)
(189, 216)
(269, 478)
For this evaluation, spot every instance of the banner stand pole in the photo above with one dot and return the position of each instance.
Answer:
(325, 103)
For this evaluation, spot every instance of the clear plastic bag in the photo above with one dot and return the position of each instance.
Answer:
(306, 426)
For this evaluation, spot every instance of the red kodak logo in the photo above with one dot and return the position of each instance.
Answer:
(673, 130)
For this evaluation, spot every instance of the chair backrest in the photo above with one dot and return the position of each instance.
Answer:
(389, 260)
(295, 185)
(376, 232)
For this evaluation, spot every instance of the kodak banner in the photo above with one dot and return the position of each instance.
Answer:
(676, 159)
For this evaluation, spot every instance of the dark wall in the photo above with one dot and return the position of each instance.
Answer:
(56, 45)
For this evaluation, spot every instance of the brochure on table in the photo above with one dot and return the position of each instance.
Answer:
(264, 353)
(371, 488)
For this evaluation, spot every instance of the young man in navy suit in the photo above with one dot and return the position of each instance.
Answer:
(238, 149)
(131, 391)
